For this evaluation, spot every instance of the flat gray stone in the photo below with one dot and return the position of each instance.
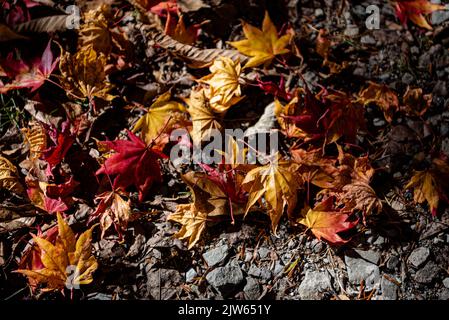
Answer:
(361, 270)
(190, 275)
(389, 289)
(227, 279)
(261, 273)
(446, 282)
(252, 289)
(418, 256)
(263, 252)
(427, 273)
(216, 255)
(314, 284)
(369, 255)
(439, 16)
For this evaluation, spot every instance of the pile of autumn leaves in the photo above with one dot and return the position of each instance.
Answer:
(312, 123)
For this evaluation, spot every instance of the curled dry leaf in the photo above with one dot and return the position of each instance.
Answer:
(278, 184)
(83, 74)
(161, 117)
(415, 102)
(112, 210)
(325, 221)
(36, 138)
(67, 256)
(262, 45)
(9, 177)
(382, 96)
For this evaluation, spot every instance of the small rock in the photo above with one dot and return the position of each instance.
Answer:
(361, 270)
(317, 248)
(379, 241)
(216, 255)
(418, 256)
(446, 282)
(440, 89)
(319, 12)
(314, 284)
(443, 294)
(392, 263)
(259, 272)
(190, 275)
(407, 78)
(252, 289)
(427, 273)
(351, 31)
(226, 279)
(99, 296)
(389, 289)
(278, 268)
(263, 252)
(367, 40)
(377, 122)
(369, 255)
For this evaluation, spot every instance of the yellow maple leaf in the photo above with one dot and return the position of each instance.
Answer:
(224, 83)
(262, 45)
(36, 138)
(205, 121)
(277, 182)
(160, 118)
(67, 263)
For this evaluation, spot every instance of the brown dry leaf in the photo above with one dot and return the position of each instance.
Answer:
(113, 210)
(224, 83)
(66, 263)
(360, 196)
(277, 182)
(36, 138)
(262, 45)
(382, 96)
(209, 201)
(9, 177)
(415, 102)
(83, 74)
(431, 185)
(163, 115)
(323, 47)
(205, 121)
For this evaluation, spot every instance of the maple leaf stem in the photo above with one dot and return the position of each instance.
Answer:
(150, 145)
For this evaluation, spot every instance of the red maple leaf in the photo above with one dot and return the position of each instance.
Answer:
(135, 163)
(28, 75)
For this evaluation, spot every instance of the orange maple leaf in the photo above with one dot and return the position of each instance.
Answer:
(415, 11)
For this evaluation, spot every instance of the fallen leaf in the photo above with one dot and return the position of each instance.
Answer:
(382, 96)
(161, 117)
(415, 102)
(67, 262)
(134, 163)
(112, 210)
(326, 222)
(278, 183)
(9, 177)
(262, 45)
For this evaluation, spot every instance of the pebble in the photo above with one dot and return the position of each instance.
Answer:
(216, 255)
(439, 16)
(263, 252)
(408, 78)
(319, 12)
(427, 273)
(261, 273)
(389, 289)
(314, 284)
(361, 270)
(190, 275)
(367, 40)
(392, 263)
(418, 256)
(446, 282)
(251, 289)
(226, 279)
(369, 255)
